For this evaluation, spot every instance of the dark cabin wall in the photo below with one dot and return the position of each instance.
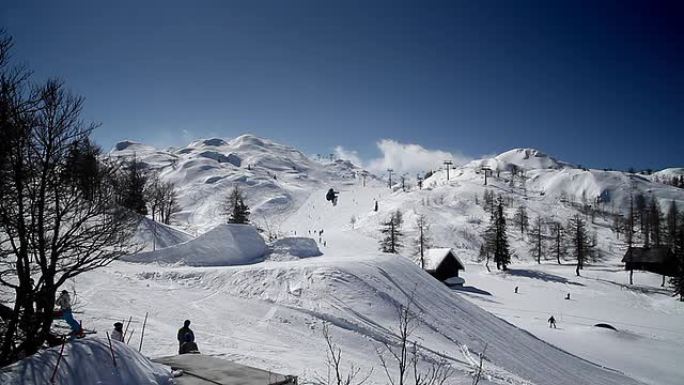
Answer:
(447, 269)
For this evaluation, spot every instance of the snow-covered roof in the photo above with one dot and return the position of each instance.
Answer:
(435, 256)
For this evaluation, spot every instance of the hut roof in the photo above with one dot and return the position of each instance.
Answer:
(434, 257)
(648, 255)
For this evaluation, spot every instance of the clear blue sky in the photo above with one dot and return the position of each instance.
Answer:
(593, 82)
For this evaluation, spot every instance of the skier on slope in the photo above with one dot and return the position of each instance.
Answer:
(117, 333)
(183, 333)
(64, 303)
(552, 322)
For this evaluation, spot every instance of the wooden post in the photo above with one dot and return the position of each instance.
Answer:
(128, 341)
(142, 333)
(631, 273)
(59, 359)
(127, 325)
(111, 350)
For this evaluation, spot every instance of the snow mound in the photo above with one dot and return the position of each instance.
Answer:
(300, 247)
(151, 234)
(520, 158)
(225, 245)
(87, 361)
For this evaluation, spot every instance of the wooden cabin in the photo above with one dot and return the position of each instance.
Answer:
(659, 260)
(442, 263)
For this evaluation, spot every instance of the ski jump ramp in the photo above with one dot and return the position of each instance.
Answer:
(199, 369)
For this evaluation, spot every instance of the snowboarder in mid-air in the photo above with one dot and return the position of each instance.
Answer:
(331, 196)
(552, 322)
(64, 303)
(183, 334)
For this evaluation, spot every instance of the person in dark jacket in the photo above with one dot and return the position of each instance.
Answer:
(189, 346)
(183, 332)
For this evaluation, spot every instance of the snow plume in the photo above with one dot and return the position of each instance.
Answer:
(402, 157)
(350, 155)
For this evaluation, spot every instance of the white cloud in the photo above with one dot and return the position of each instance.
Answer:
(402, 157)
(350, 155)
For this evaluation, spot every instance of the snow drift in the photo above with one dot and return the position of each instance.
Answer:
(87, 361)
(225, 245)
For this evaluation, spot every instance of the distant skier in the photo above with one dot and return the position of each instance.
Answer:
(552, 322)
(567, 296)
(183, 334)
(117, 333)
(376, 206)
(188, 346)
(64, 303)
(516, 290)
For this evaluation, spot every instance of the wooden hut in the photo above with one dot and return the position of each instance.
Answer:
(658, 260)
(442, 263)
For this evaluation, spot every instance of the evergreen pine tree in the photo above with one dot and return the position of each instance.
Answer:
(236, 209)
(502, 255)
(392, 234)
(133, 187)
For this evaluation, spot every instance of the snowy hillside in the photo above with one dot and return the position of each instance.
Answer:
(270, 314)
(275, 178)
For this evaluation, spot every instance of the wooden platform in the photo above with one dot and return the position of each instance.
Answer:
(199, 369)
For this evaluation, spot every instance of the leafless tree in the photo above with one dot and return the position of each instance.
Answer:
(51, 228)
(404, 354)
(162, 199)
(336, 374)
(423, 240)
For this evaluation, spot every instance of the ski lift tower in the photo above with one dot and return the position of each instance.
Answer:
(389, 183)
(448, 163)
(486, 171)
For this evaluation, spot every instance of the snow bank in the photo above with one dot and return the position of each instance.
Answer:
(87, 361)
(299, 247)
(225, 245)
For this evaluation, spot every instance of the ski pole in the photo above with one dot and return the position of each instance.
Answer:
(54, 372)
(127, 325)
(142, 333)
(111, 350)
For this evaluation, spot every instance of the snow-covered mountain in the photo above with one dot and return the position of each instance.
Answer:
(275, 178)
(270, 314)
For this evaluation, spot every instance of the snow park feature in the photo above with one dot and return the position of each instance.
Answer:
(224, 245)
